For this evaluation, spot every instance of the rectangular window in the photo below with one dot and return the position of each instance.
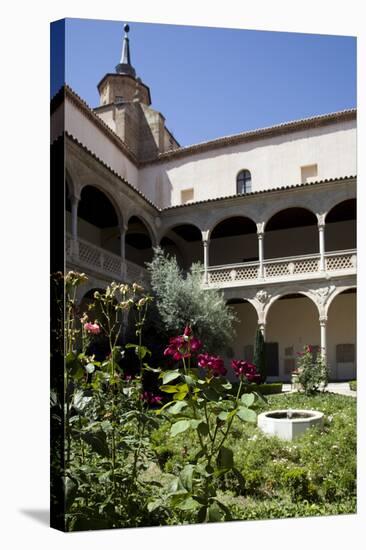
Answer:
(186, 196)
(309, 173)
(345, 353)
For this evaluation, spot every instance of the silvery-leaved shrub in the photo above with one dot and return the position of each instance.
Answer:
(182, 300)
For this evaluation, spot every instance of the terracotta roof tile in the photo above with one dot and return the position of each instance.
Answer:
(259, 133)
(272, 190)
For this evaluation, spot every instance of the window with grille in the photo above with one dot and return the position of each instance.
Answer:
(243, 182)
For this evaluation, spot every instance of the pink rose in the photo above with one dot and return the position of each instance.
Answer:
(92, 328)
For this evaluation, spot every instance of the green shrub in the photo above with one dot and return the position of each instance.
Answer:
(259, 358)
(312, 372)
(181, 300)
(353, 385)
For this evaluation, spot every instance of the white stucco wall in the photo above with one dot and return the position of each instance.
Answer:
(85, 131)
(273, 162)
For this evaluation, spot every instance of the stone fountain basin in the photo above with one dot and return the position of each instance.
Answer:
(280, 424)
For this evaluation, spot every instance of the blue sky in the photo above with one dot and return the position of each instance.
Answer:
(211, 82)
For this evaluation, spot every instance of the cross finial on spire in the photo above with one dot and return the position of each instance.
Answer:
(124, 66)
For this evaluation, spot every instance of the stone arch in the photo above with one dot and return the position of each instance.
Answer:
(333, 199)
(233, 240)
(275, 208)
(149, 226)
(99, 219)
(337, 292)
(340, 226)
(292, 322)
(285, 291)
(341, 322)
(291, 231)
(187, 238)
(223, 215)
(112, 199)
(139, 240)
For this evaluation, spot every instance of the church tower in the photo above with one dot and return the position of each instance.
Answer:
(125, 106)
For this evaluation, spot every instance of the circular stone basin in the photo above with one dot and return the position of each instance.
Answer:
(289, 423)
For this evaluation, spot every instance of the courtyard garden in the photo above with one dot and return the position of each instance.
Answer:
(153, 431)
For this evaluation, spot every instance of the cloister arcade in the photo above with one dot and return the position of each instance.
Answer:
(291, 318)
(286, 263)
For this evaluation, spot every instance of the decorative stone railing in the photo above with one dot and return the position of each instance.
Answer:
(91, 257)
(286, 269)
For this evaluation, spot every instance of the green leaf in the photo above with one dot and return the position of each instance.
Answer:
(170, 375)
(169, 389)
(189, 380)
(80, 400)
(180, 396)
(97, 441)
(106, 426)
(247, 399)
(225, 458)
(150, 369)
(141, 351)
(223, 415)
(225, 509)
(248, 415)
(214, 513)
(179, 427)
(211, 394)
(154, 504)
(203, 428)
(188, 504)
(186, 477)
(195, 423)
(202, 514)
(177, 407)
(74, 366)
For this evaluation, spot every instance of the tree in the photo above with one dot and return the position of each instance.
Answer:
(259, 358)
(182, 300)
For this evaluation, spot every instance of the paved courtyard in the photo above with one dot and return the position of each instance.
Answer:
(333, 387)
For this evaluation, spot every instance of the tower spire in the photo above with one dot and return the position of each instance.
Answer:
(124, 66)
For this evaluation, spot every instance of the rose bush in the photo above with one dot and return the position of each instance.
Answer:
(204, 406)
